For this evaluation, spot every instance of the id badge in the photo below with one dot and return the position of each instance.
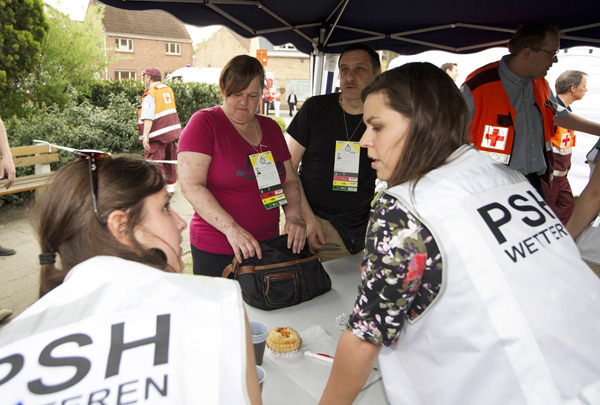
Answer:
(345, 168)
(269, 184)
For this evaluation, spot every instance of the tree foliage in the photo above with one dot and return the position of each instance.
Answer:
(47, 58)
(23, 26)
(72, 57)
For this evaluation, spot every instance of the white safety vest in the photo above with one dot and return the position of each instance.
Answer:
(517, 320)
(118, 331)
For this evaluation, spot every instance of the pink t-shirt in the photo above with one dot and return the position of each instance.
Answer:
(231, 178)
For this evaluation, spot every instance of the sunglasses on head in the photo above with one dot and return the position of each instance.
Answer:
(90, 155)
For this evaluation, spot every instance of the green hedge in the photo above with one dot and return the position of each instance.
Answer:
(189, 97)
(105, 119)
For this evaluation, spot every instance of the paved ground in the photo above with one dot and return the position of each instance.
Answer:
(19, 274)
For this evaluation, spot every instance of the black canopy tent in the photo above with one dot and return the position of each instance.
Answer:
(405, 27)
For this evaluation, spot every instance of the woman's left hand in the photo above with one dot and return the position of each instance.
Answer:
(295, 227)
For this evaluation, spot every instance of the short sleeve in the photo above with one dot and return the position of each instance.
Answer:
(299, 128)
(199, 134)
(148, 108)
(401, 273)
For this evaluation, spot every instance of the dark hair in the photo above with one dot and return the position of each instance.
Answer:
(438, 115)
(239, 72)
(374, 56)
(567, 79)
(530, 35)
(67, 226)
(448, 66)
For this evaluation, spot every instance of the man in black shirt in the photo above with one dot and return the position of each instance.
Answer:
(337, 178)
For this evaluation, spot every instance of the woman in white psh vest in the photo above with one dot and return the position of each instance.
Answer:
(472, 291)
(110, 326)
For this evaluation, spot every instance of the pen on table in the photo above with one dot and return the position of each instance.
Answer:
(324, 357)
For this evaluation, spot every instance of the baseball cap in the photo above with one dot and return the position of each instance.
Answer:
(152, 71)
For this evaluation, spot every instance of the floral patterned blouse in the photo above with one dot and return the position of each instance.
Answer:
(401, 273)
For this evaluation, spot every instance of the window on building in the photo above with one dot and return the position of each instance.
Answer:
(124, 74)
(124, 45)
(173, 48)
(286, 47)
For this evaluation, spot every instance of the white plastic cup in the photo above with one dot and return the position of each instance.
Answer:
(259, 333)
(261, 376)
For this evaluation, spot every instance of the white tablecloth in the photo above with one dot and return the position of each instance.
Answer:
(299, 379)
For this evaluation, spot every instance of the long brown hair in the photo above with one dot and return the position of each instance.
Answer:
(67, 226)
(438, 115)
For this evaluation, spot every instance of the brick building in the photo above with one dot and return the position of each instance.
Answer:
(136, 40)
(290, 67)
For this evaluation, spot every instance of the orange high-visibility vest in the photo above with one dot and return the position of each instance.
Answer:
(492, 129)
(166, 126)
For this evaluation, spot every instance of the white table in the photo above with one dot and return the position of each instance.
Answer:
(279, 387)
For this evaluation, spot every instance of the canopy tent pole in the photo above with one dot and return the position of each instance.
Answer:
(318, 61)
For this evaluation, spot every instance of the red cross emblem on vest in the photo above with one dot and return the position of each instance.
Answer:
(566, 140)
(167, 98)
(494, 137)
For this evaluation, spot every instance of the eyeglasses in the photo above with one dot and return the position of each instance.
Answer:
(551, 53)
(91, 156)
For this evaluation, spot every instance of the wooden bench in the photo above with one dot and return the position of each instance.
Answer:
(39, 156)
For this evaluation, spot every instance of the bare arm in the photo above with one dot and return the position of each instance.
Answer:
(354, 360)
(578, 123)
(192, 172)
(587, 206)
(147, 128)
(294, 225)
(7, 165)
(251, 377)
(313, 228)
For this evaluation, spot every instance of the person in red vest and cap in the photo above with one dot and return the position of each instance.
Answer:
(159, 125)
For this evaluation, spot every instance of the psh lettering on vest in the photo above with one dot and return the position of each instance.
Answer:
(48, 380)
(532, 211)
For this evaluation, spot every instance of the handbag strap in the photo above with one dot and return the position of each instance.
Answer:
(252, 269)
(230, 269)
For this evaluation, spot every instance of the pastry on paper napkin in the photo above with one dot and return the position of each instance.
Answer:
(312, 374)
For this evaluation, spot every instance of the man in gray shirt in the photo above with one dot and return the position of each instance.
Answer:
(514, 111)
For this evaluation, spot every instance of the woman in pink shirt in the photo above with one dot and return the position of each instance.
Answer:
(217, 176)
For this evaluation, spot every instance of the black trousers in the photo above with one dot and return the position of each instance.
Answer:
(209, 264)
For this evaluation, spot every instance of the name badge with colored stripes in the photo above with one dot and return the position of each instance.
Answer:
(269, 184)
(345, 168)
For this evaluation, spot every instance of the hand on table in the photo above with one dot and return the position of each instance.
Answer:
(295, 227)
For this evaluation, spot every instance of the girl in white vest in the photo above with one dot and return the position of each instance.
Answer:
(114, 324)
(472, 290)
